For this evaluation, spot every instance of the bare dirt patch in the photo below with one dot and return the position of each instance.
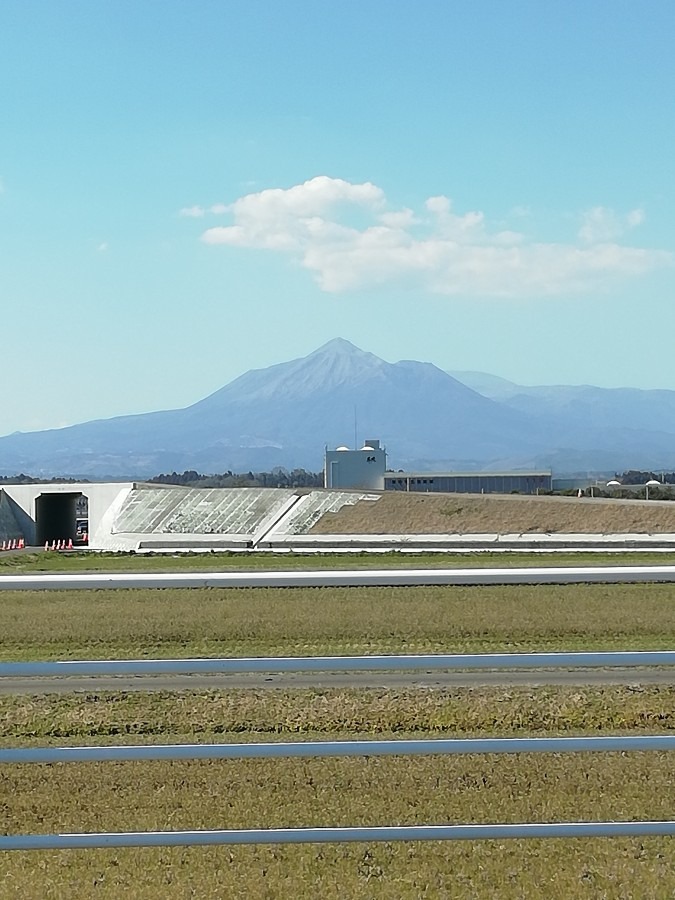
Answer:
(403, 513)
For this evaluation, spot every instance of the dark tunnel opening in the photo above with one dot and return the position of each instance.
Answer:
(56, 517)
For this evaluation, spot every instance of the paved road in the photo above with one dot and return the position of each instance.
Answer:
(394, 681)
(344, 578)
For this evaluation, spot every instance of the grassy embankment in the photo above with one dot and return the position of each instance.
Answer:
(74, 561)
(126, 796)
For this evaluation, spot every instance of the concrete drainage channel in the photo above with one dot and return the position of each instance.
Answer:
(466, 543)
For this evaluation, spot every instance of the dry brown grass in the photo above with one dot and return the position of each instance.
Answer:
(184, 795)
(592, 869)
(125, 796)
(403, 513)
(334, 621)
(109, 717)
(262, 793)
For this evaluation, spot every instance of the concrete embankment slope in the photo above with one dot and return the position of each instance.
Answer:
(160, 519)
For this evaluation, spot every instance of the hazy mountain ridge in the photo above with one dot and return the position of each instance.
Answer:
(613, 410)
(427, 418)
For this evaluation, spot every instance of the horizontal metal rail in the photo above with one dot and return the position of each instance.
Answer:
(346, 748)
(335, 835)
(394, 577)
(426, 662)
(324, 749)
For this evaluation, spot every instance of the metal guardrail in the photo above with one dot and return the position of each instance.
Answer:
(340, 748)
(325, 749)
(400, 663)
(527, 830)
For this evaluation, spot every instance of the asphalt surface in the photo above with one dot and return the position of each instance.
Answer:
(392, 681)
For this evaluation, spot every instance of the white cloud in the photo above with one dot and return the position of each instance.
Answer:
(402, 218)
(349, 239)
(103, 246)
(635, 217)
(601, 224)
(277, 219)
(198, 212)
(193, 212)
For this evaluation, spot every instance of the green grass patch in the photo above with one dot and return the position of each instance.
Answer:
(91, 561)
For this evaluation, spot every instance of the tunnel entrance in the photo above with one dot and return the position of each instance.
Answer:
(56, 517)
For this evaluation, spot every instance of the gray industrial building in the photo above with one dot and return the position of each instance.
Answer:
(365, 469)
(356, 469)
(469, 482)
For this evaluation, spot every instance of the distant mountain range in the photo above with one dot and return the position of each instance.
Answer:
(427, 419)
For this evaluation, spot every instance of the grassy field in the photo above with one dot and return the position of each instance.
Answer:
(219, 715)
(334, 621)
(158, 796)
(177, 795)
(370, 791)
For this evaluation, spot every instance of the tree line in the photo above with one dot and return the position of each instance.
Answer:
(278, 477)
(29, 479)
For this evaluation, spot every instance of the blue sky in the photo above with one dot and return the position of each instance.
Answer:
(193, 189)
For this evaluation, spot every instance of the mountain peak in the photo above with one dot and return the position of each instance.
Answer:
(284, 414)
(336, 362)
(337, 347)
